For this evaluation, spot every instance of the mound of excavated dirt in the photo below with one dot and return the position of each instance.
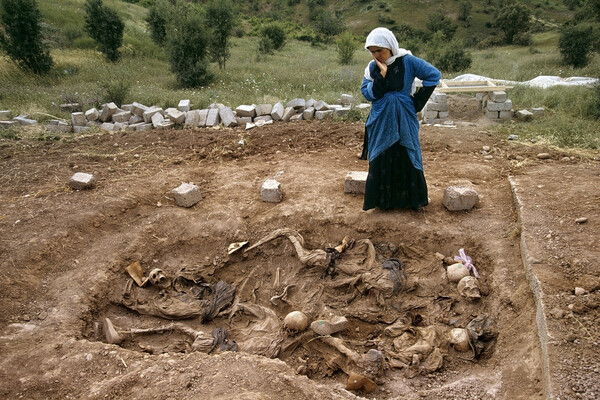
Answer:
(215, 329)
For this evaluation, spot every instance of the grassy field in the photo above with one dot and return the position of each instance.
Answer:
(299, 70)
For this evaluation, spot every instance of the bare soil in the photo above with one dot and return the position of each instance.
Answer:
(63, 256)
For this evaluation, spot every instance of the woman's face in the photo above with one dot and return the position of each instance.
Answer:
(380, 54)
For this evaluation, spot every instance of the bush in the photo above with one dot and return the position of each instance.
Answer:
(272, 38)
(438, 22)
(22, 38)
(513, 18)
(594, 105)
(327, 23)
(464, 10)
(116, 91)
(454, 58)
(104, 25)
(523, 39)
(574, 46)
(346, 46)
(157, 24)
(187, 46)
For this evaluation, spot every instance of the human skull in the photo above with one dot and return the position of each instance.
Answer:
(296, 321)
(158, 278)
(469, 287)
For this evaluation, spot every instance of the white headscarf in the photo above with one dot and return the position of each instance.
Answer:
(383, 37)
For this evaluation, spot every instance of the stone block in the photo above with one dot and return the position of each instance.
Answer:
(93, 124)
(443, 114)
(186, 195)
(271, 192)
(138, 109)
(277, 111)
(122, 117)
(287, 113)
(202, 116)
(308, 114)
(107, 111)
(263, 109)
(5, 114)
(92, 114)
(438, 97)
(80, 129)
(149, 113)
(70, 107)
(498, 96)
(176, 116)
(82, 181)
(346, 99)
(524, 115)
(363, 106)
(503, 106)
(227, 117)
(435, 106)
(143, 127)
(8, 124)
(505, 115)
(108, 127)
(216, 105)
(120, 126)
(166, 124)
(323, 114)
(212, 118)
(492, 114)
(296, 117)
(296, 103)
(24, 120)
(246, 111)
(460, 198)
(341, 111)
(310, 102)
(157, 119)
(59, 127)
(242, 121)
(538, 111)
(192, 119)
(78, 119)
(482, 96)
(262, 118)
(135, 119)
(321, 106)
(355, 182)
(430, 114)
(184, 105)
(127, 107)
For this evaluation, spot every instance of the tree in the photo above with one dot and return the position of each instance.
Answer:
(220, 19)
(104, 25)
(272, 38)
(438, 22)
(454, 57)
(513, 18)
(22, 37)
(327, 23)
(346, 46)
(188, 48)
(157, 24)
(574, 44)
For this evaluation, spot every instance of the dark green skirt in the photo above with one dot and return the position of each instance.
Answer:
(393, 182)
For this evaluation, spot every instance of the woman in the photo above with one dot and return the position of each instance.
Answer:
(395, 177)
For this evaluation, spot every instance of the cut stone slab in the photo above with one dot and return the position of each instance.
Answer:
(263, 109)
(524, 115)
(60, 127)
(184, 105)
(82, 181)
(502, 106)
(438, 97)
(23, 120)
(212, 119)
(108, 127)
(78, 119)
(138, 109)
(143, 127)
(262, 119)
(460, 198)
(107, 112)
(498, 96)
(80, 129)
(176, 116)
(192, 119)
(309, 113)
(321, 106)
(347, 99)
(122, 117)
(227, 117)
(202, 116)
(187, 194)
(310, 102)
(363, 106)
(437, 106)
(242, 121)
(92, 114)
(341, 111)
(323, 114)
(5, 113)
(126, 107)
(505, 115)
(135, 119)
(297, 117)
(538, 111)
(277, 111)
(157, 119)
(296, 103)
(166, 124)
(70, 107)
(271, 192)
(355, 182)
(246, 111)
(149, 113)
(287, 113)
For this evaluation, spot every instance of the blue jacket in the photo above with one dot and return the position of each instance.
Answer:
(393, 116)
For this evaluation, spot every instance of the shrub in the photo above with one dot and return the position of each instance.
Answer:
(187, 46)
(22, 38)
(157, 24)
(327, 23)
(594, 105)
(438, 22)
(454, 58)
(574, 46)
(464, 10)
(346, 46)
(523, 39)
(104, 25)
(272, 38)
(116, 91)
(513, 18)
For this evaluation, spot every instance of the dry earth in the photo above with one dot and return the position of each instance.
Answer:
(63, 256)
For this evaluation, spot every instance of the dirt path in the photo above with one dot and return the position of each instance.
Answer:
(63, 255)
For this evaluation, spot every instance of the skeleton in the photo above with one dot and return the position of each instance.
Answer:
(158, 278)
